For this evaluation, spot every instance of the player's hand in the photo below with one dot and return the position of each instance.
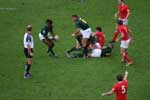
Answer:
(115, 17)
(117, 40)
(126, 72)
(31, 54)
(73, 34)
(103, 94)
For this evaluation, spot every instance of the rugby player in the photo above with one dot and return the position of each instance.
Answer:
(120, 88)
(100, 36)
(28, 50)
(47, 36)
(83, 28)
(123, 14)
(98, 51)
(125, 38)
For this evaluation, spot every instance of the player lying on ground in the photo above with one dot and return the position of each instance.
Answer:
(96, 51)
(125, 38)
(83, 28)
(123, 14)
(28, 50)
(119, 88)
(47, 36)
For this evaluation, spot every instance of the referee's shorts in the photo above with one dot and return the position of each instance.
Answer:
(27, 54)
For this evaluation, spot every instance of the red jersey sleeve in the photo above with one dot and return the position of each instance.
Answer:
(114, 89)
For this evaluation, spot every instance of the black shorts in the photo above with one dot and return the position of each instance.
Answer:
(26, 53)
(106, 52)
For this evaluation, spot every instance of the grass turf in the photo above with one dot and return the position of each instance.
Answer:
(69, 79)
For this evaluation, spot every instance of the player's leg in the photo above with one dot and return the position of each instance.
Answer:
(28, 64)
(85, 48)
(86, 35)
(124, 53)
(50, 47)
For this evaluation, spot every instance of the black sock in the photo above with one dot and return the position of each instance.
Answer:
(50, 49)
(72, 49)
(85, 51)
(27, 68)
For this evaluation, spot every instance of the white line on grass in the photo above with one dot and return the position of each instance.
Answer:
(7, 9)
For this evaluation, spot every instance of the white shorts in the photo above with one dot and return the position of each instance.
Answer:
(86, 33)
(96, 53)
(125, 21)
(125, 44)
(42, 37)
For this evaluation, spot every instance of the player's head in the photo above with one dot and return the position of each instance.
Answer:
(75, 18)
(49, 22)
(119, 22)
(119, 77)
(121, 1)
(99, 29)
(29, 27)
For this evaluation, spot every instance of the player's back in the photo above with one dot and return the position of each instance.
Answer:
(121, 90)
(124, 30)
(102, 37)
(123, 11)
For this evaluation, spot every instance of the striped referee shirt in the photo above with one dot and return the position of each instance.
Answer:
(28, 40)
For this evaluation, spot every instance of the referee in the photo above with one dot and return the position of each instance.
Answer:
(28, 51)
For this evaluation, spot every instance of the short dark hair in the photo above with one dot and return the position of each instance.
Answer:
(119, 77)
(49, 21)
(29, 27)
(99, 28)
(75, 15)
(119, 22)
(123, 0)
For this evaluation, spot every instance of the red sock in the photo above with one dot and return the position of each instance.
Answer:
(115, 36)
(126, 58)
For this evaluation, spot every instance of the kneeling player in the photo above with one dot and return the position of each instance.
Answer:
(47, 36)
(28, 50)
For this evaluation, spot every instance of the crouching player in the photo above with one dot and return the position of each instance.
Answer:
(125, 41)
(28, 50)
(83, 28)
(119, 88)
(47, 36)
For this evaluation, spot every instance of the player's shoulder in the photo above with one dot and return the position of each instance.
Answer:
(25, 34)
(125, 81)
(126, 6)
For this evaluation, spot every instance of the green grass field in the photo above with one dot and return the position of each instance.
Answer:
(70, 79)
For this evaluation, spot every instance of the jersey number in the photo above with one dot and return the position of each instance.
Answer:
(123, 90)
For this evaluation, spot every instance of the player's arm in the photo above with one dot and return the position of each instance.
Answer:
(116, 15)
(52, 32)
(126, 75)
(108, 93)
(128, 14)
(120, 37)
(29, 49)
(76, 32)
